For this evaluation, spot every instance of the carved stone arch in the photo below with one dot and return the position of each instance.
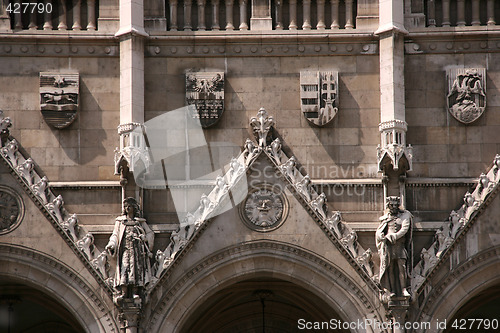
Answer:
(47, 274)
(462, 284)
(173, 302)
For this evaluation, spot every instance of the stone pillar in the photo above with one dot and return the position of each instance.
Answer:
(4, 16)
(132, 36)
(367, 15)
(394, 157)
(261, 15)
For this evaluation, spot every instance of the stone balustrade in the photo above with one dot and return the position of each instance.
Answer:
(214, 15)
(460, 13)
(62, 15)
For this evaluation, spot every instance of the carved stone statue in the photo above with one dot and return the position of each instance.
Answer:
(393, 239)
(131, 241)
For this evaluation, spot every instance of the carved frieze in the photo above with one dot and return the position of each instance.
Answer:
(205, 90)
(466, 98)
(59, 98)
(319, 96)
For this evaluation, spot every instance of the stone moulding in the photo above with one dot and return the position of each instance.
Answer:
(52, 206)
(343, 237)
(456, 226)
(169, 289)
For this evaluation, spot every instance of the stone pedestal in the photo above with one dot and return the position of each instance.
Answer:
(129, 316)
(367, 15)
(398, 310)
(261, 15)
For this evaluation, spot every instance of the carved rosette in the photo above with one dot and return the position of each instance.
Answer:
(59, 98)
(11, 210)
(466, 98)
(393, 150)
(264, 209)
(205, 90)
(319, 96)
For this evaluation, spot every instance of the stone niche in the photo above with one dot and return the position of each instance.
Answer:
(205, 91)
(59, 98)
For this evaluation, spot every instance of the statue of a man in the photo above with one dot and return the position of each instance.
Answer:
(132, 242)
(393, 239)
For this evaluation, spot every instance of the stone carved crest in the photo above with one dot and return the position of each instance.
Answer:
(466, 93)
(205, 90)
(319, 96)
(59, 98)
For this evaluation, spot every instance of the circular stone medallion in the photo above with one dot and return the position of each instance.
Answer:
(11, 210)
(265, 208)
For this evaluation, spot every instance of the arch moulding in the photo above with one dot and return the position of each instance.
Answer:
(47, 274)
(460, 285)
(174, 301)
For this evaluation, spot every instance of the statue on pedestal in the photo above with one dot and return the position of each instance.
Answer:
(131, 242)
(393, 239)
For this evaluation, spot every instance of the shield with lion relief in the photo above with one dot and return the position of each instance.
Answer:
(466, 98)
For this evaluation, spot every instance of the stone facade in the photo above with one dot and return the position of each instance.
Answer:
(264, 206)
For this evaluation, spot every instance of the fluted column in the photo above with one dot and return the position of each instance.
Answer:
(201, 15)
(461, 13)
(335, 14)
(229, 15)
(173, 15)
(215, 15)
(62, 16)
(306, 9)
(187, 15)
(243, 15)
(47, 17)
(475, 13)
(446, 13)
(293, 15)
(490, 9)
(349, 14)
(91, 25)
(321, 15)
(76, 15)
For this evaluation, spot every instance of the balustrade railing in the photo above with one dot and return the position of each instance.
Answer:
(461, 13)
(73, 15)
(201, 15)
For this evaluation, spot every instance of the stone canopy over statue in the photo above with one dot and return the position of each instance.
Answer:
(131, 243)
(393, 239)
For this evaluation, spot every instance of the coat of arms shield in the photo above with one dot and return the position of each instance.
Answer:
(466, 98)
(59, 93)
(319, 96)
(205, 90)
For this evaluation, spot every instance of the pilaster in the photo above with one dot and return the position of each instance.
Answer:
(132, 37)
(394, 157)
